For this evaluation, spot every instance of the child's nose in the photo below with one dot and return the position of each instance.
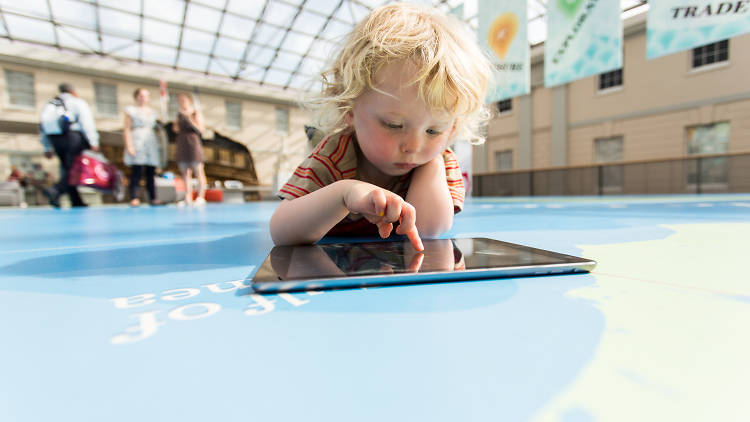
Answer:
(410, 143)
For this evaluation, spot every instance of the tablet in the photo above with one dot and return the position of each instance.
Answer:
(382, 263)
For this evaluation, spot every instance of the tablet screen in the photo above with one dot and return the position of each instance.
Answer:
(342, 260)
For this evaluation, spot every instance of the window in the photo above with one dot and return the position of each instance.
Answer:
(208, 153)
(282, 120)
(711, 53)
(505, 106)
(234, 114)
(20, 88)
(105, 96)
(225, 157)
(504, 160)
(610, 150)
(610, 79)
(239, 160)
(708, 139)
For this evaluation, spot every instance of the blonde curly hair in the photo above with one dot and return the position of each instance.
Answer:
(452, 72)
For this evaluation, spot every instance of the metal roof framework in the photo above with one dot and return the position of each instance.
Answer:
(275, 43)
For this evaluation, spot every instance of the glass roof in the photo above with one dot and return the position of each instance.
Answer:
(277, 43)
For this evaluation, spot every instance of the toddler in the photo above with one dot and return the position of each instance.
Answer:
(408, 81)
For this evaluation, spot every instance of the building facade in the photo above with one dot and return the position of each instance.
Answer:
(268, 122)
(685, 104)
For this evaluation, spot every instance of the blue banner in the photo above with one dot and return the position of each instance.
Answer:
(502, 32)
(584, 38)
(676, 25)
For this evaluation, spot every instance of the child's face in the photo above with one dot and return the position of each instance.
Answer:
(184, 102)
(399, 133)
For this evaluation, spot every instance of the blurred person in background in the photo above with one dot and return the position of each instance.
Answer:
(141, 152)
(69, 143)
(189, 152)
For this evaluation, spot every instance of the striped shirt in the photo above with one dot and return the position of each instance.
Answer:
(335, 158)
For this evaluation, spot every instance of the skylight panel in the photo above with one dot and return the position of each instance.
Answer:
(245, 8)
(116, 47)
(296, 42)
(237, 27)
(223, 67)
(276, 77)
(74, 12)
(280, 14)
(197, 41)
(216, 4)
(30, 29)
(161, 32)
(169, 10)
(336, 30)
(268, 35)
(111, 44)
(309, 22)
(130, 6)
(78, 39)
(37, 8)
(157, 54)
(260, 56)
(203, 17)
(192, 61)
(321, 49)
(326, 7)
(286, 61)
(229, 48)
(119, 23)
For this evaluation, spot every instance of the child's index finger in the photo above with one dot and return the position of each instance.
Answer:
(415, 240)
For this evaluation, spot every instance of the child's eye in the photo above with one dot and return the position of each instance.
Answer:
(390, 125)
(434, 132)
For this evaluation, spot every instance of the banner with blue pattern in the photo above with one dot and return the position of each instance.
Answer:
(584, 38)
(502, 32)
(676, 25)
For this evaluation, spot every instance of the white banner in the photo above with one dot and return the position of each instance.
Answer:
(584, 38)
(502, 31)
(676, 25)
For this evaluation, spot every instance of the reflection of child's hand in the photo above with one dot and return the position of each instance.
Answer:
(383, 208)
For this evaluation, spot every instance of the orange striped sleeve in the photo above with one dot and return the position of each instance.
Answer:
(321, 167)
(455, 180)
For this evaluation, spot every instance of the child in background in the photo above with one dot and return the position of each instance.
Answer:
(408, 81)
(189, 151)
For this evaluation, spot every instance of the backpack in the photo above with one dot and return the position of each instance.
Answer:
(56, 119)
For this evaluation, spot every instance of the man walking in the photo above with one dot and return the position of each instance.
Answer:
(68, 142)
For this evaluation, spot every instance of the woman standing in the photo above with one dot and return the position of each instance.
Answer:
(189, 155)
(141, 146)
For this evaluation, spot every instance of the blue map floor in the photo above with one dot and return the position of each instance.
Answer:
(122, 314)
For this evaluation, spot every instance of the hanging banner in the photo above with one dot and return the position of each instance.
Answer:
(584, 38)
(676, 25)
(502, 32)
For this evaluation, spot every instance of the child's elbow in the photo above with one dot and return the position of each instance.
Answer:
(283, 233)
(434, 228)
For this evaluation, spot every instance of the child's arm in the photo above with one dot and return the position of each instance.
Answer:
(429, 194)
(307, 219)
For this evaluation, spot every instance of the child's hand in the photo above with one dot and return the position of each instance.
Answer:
(383, 208)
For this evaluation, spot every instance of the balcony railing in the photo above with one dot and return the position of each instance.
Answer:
(714, 173)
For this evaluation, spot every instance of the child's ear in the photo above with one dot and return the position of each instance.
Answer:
(349, 118)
